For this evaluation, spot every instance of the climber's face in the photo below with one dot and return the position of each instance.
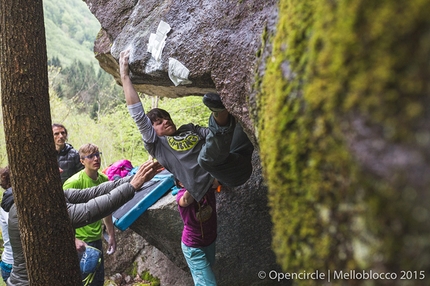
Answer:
(164, 127)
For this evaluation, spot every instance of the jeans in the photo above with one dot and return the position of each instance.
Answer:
(6, 268)
(227, 153)
(200, 261)
(99, 278)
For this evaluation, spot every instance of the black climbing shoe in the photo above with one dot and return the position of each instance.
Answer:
(213, 101)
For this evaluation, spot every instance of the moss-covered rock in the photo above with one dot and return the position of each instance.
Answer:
(337, 65)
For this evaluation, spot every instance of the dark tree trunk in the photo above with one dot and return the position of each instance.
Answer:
(46, 233)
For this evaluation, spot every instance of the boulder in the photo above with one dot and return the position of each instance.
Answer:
(347, 89)
(135, 255)
(223, 44)
(219, 42)
(243, 246)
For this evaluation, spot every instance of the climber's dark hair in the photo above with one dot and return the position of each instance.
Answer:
(155, 113)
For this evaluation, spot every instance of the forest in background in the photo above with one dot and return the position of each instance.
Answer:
(71, 30)
(86, 99)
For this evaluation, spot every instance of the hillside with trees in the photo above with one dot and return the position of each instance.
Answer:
(70, 32)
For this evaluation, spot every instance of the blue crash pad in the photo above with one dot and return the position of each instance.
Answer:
(150, 192)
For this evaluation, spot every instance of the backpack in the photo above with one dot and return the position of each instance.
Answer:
(119, 169)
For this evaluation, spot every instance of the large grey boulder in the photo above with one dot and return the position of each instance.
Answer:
(220, 42)
(244, 233)
(243, 244)
(223, 45)
(134, 255)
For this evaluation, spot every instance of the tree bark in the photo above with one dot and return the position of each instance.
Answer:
(46, 233)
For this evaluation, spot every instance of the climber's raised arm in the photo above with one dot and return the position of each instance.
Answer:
(131, 96)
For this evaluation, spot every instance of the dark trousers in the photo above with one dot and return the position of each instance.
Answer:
(227, 153)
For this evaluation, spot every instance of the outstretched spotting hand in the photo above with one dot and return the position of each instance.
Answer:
(123, 63)
(145, 173)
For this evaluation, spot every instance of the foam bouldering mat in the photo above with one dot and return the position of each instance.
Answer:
(150, 193)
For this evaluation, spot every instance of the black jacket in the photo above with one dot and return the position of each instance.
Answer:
(68, 160)
(7, 200)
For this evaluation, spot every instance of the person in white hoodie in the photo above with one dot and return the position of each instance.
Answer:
(7, 201)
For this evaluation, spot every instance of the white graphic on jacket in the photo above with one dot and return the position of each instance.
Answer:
(183, 141)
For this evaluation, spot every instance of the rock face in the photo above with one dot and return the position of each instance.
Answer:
(135, 255)
(221, 43)
(352, 137)
(243, 243)
(244, 233)
(218, 41)
(342, 107)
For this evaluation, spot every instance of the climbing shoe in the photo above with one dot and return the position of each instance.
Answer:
(213, 102)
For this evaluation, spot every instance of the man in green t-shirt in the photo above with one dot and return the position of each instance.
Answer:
(92, 233)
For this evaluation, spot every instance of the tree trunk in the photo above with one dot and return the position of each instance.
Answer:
(46, 233)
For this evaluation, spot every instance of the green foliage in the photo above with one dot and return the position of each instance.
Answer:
(331, 60)
(132, 271)
(146, 276)
(91, 92)
(70, 31)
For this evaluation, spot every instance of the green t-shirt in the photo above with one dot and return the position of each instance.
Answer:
(81, 180)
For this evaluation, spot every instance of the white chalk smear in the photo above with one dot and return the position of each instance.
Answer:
(157, 41)
(178, 73)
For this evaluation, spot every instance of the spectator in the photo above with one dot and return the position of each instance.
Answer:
(83, 206)
(67, 156)
(7, 201)
(89, 177)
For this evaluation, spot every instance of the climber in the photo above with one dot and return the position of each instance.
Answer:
(201, 158)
